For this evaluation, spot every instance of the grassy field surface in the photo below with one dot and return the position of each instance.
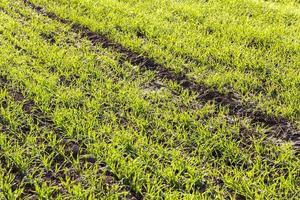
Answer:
(249, 46)
(154, 99)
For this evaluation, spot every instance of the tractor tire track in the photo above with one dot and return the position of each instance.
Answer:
(74, 149)
(280, 127)
(71, 149)
(243, 135)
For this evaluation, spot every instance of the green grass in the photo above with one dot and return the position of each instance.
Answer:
(249, 46)
(77, 123)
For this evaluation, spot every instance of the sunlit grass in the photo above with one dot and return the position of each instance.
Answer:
(64, 101)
